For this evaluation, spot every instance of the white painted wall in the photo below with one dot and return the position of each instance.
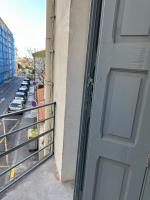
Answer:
(60, 75)
(72, 24)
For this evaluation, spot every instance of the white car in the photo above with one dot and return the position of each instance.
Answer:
(27, 80)
(16, 105)
(25, 83)
(23, 89)
(21, 99)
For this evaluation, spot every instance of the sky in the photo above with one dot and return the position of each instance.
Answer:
(27, 21)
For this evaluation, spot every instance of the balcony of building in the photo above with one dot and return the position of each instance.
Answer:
(28, 156)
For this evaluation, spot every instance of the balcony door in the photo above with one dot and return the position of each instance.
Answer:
(118, 148)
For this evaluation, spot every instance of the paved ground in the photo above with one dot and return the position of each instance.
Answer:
(42, 184)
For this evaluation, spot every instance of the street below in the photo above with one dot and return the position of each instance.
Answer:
(7, 94)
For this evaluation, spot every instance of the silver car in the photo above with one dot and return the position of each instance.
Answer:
(16, 105)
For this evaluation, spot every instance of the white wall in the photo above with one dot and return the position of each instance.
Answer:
(60, 74)
(72, 23)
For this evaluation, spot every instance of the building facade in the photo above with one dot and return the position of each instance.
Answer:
(39, 66)
(7, 53)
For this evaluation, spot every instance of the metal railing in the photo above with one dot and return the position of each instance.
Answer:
(16, 148)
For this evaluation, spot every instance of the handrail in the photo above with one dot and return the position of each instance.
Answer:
(27, 109)
(23, 160)
(24, 143)
(25, 127)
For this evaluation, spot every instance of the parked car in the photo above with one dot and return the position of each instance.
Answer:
(20, 99)
(21, 94)
(25, 83)
(27, 80)
(26, 87)
(16, 105)
(23, 89)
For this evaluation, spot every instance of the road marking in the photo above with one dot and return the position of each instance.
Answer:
(13, 171)
(12, 174)
(5, 119)
(2, 140)
(1, 166)
(4, 166)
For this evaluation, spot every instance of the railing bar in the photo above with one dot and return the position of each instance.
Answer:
(54, 125)
(25, 127)
(23, 144)
(27, 109)
(4, 172)
(25, 173)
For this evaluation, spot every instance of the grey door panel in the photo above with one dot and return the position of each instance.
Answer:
(119, 137)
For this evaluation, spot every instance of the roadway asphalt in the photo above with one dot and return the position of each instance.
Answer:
(7, 93)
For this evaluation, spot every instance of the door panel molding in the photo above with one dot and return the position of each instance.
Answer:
(126, 15)
(121, 175)
(121, 82)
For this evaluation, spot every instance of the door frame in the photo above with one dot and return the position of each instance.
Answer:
(94, 28)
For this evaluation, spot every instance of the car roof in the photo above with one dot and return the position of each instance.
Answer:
(23, 88)
(24, 82)
(20, 93)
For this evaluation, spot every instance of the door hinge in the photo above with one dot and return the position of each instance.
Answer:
(90, 82)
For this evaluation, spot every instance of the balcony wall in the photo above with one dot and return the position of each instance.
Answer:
(72, 24)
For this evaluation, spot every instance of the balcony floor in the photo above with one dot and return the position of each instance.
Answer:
(41, 185)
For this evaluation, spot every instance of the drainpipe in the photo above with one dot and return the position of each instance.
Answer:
(48, 82)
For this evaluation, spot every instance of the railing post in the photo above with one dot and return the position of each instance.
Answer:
(54, 128)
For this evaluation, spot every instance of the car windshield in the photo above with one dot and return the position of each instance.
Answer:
(16, 105)
(19, 95)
